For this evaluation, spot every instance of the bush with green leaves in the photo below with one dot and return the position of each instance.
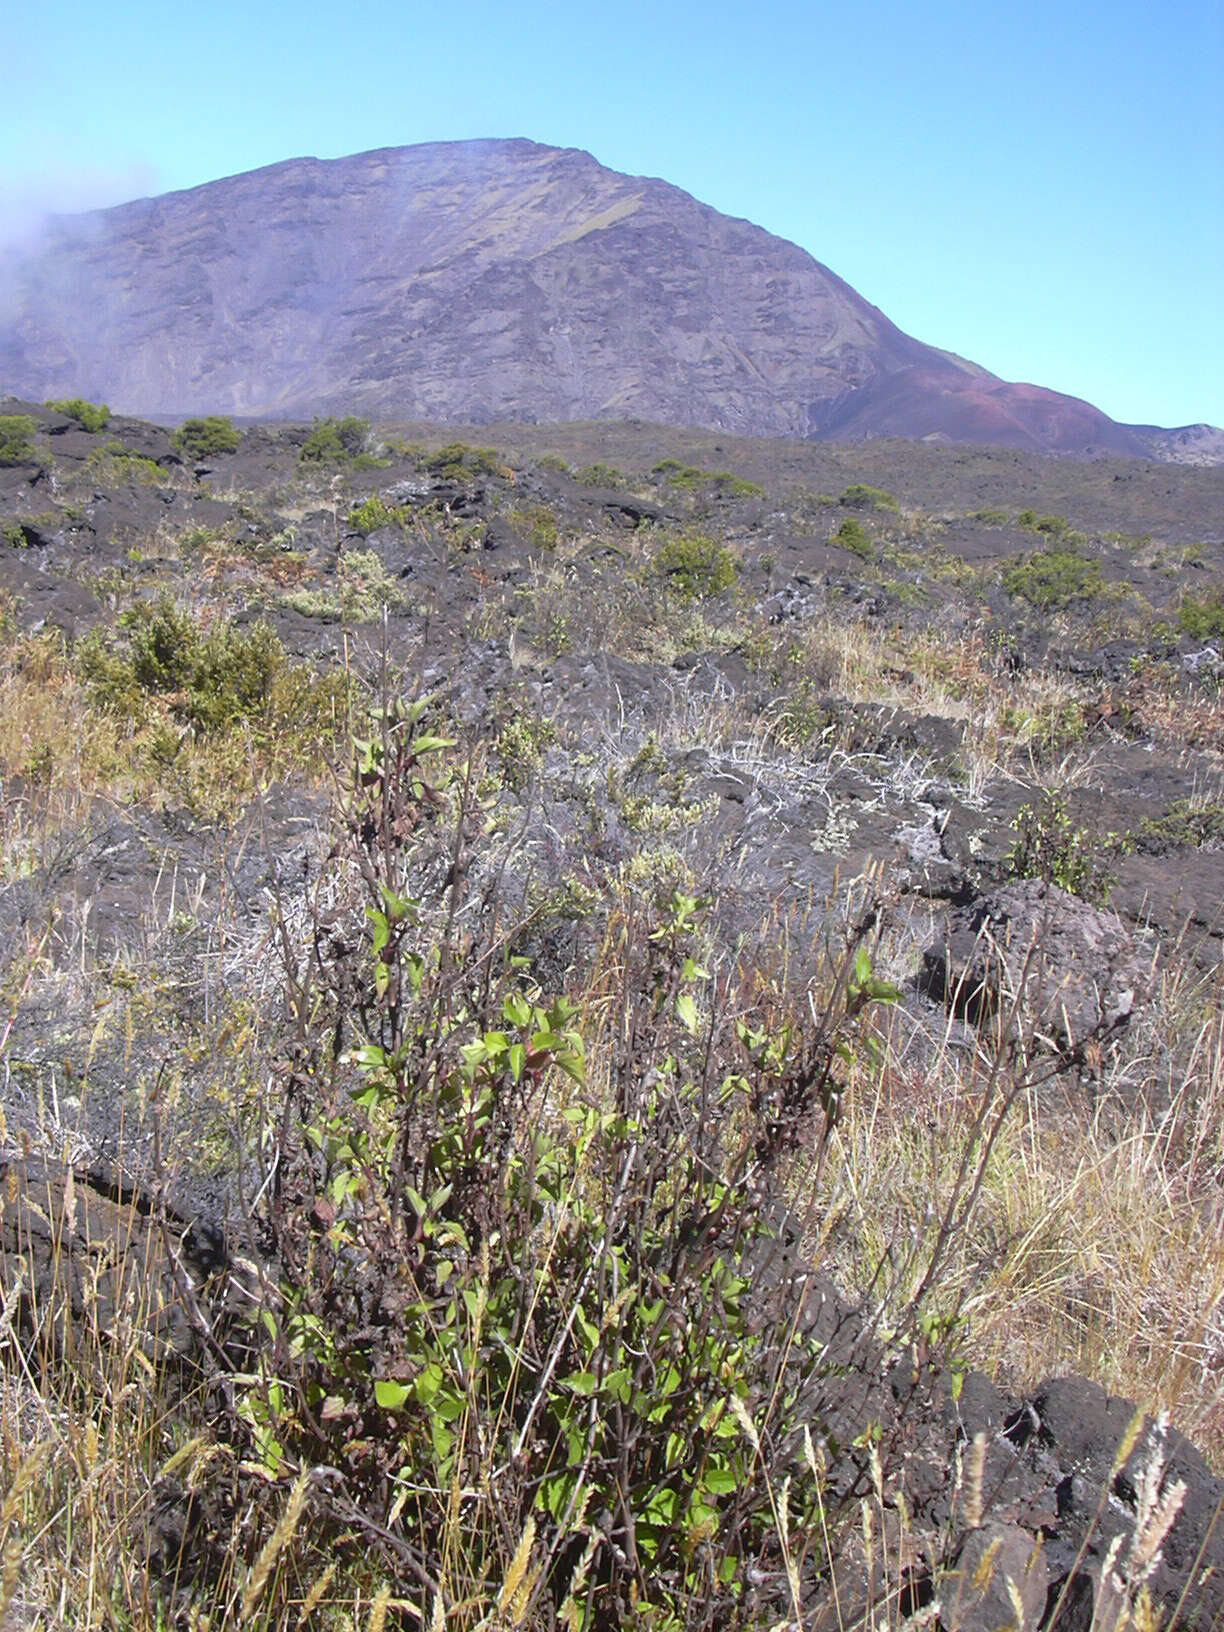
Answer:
(17, 439)
(211, 678)
(692, 479)
(457, 461)
(853, 536)
(206, 438)
(532, 1313)
(335, 441)
(373, 514)
(90, 416)
(1049, 846)
(695, 566)
(600, 475)
(1051, 580)
(1202, 616)
(859, 496)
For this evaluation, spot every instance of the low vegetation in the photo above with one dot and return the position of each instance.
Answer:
(206, 438)
(90, 416)
(432, 802)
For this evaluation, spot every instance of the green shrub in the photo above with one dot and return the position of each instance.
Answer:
(600, 475)
(206, 438)
(211, 678)
(88, 415)
(1202, 616)
(858, 496)
(1053, 579)
(694, 565)
(565, 1301)
(457, 460)
(692, 479)
(1052, 526)
(112, 463)
(853, 536)
(1076, 859)
(17, 439)
(335, 441)
(374, 513)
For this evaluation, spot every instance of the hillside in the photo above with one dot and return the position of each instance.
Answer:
(489, 280)
(618, 1028)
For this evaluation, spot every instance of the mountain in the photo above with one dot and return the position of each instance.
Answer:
(487, 280)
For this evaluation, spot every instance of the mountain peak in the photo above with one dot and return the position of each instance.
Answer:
(479, 280)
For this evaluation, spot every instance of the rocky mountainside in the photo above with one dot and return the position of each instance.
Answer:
(490, 280)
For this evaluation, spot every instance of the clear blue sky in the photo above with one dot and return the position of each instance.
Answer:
(1039, 187)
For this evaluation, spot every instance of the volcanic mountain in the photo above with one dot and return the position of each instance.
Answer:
(485, 280)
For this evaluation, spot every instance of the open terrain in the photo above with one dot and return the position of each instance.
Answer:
(678, 974)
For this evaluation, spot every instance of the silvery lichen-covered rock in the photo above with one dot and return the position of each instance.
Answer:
(1070, 969)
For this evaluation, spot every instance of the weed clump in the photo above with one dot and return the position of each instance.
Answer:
(853, 536)
(506, 1274)
(861, 496)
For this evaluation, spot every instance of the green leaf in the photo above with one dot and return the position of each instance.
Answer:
(720, 1481)
(686, 1009)
(382, 929)
(581, 1382)
(517, 1058)
(390, 1395)
(517, 1010)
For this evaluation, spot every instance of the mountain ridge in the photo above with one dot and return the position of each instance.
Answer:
(492, 279)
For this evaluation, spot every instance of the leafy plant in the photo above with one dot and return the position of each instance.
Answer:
(17, 439)
(88, 415)
(860, 496)
(1048, 846)
(694, 565)
(692, 479)
(374, 513)
(206, 438)
(1053, 579)
(853, 536)
(500, 1280)
(600, 475)
(457, 460)
(1202, 616)
(335, 441)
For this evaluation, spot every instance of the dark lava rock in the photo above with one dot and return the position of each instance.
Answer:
(88, 1251)
(1074, 967)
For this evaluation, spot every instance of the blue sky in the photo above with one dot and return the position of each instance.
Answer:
(1038, 187)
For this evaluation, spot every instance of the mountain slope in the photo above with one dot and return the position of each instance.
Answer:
(482, 280)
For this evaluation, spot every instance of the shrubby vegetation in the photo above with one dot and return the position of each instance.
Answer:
(16, 439)
(1202, 616)
(336, 441)
(206, 438)
(693, 565)
(1053, 579)
(861, 496)
(88, 415)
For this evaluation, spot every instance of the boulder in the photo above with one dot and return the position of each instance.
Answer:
(1069, 969)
